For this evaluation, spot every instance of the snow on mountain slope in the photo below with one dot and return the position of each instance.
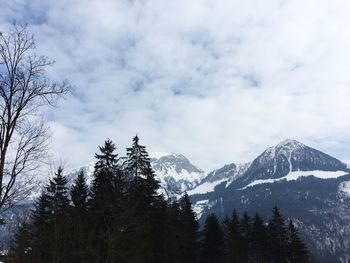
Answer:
(298, 174)
(226, 174)
(207, 187)
(288, 156)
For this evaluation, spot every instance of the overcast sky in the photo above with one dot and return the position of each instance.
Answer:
(218, 81)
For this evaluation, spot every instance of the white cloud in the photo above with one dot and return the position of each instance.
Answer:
(218, 81)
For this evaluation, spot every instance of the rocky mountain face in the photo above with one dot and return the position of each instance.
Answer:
(176, 174)
(308, 186)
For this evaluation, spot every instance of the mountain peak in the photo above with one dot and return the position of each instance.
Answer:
(286, 157)
(290, 144)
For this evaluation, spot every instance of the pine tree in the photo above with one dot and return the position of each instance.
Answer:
(21, 245)
(50, 222)
(57, 193)
(245, 230)
(297, 249)
(234, 251)
(107, 159)
(144, 203)
(80, 193)
(277, 237)
(103, 184)
(41, 231)
(78, 223)
(212, 241)
(189, 228)
(174, 233)
(137, 161)
(104, 204)
(259, 240)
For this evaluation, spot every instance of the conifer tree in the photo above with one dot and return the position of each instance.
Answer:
(234, 251)
(189, 228)
(296, 247)
(212, 241)
(50, 222)
(259, 240)
(57, 193)
(80, 193)
(144, 203)
(174, 232)
(137, 161)
(21, 245)
(41, 222)
(277, 237)
(104, 203)
(103, 184)
(79, 225)
(245, 230)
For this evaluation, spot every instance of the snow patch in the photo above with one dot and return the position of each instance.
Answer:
(298, 174)
(206, 187)
(344, 188)
(199, 207)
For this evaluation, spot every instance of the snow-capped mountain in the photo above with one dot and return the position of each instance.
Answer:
(176, 173)
(286, 157)
(307, 185)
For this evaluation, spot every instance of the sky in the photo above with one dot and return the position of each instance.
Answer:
(217, 81)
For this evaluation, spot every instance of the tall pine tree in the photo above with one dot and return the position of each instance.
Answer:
(234, 250)
(259, 246)
(79, 237)
(104, 205)
(245, 230)
(21, 245)
(50, 222)
(277, 237)
(79, 193)
(212, 247)
(296, 247)
(144, 204)
(189, 228)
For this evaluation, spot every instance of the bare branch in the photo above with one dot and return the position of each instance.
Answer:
(24, 88)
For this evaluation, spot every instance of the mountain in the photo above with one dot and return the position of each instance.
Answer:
(176, 173)
(286, 157)
(307, 185)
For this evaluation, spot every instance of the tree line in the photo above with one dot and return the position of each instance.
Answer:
(121, 217)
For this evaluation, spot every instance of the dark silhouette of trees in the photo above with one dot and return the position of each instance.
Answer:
(188, 231)
(121, 217)
(277, 237)
(297, 250)
(212, 247)
(79, 223)
(259, 244)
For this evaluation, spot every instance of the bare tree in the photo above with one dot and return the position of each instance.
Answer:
(24, 88)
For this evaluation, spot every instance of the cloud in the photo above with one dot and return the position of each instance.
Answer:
(218, 81)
